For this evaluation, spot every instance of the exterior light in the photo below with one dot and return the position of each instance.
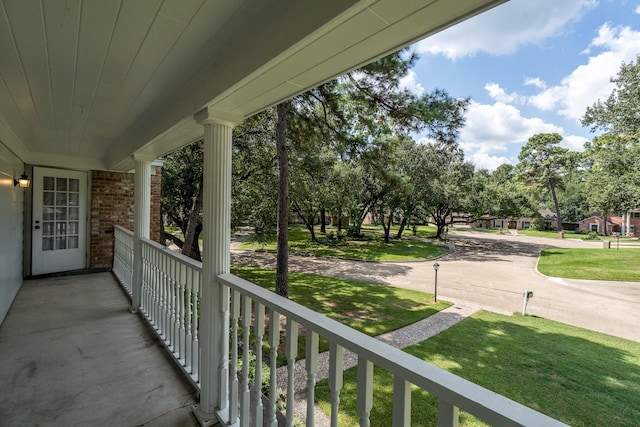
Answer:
(23, 181)
(435, 292)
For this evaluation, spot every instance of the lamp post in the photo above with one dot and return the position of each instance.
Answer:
(435, 293)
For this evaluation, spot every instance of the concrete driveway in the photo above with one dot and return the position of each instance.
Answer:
(493, 271)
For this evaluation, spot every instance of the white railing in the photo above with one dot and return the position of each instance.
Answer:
(248, 305)
(170, 302)
(123, 256)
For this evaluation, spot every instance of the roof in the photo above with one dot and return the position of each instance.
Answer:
(86, 84)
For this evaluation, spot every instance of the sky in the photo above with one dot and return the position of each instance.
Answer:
(528, 67)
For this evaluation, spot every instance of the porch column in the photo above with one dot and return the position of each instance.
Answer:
(628, 227)
(216, 230)
(141, 223)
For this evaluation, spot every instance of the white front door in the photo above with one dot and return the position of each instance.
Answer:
(59, 229)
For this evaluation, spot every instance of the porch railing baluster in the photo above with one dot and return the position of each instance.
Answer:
(246, 331)
(336, 367)
(365, 390)
(188, 347)
(401, 402)
(274, 342)
(233, 358)
(258, 331)
(184, 314)
(291, 350)
(195, 321)
(311, 364)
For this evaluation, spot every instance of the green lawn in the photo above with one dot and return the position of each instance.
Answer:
(595, 264)
(369, 308)
(371, 248)
(580, 377)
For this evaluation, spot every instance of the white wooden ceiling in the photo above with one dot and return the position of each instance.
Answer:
(88, 83)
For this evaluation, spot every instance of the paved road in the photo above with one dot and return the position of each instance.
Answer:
(493, 271)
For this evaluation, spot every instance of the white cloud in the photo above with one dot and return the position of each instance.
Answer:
(637, 10)
(524, 21)
(499, 94)
(497, 125)
(493, 134)
(535, 81)
(485, 161)
(591, 81)
(411, 83)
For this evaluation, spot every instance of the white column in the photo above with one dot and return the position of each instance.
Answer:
(216, 229)
(628, 228)
(141, 223)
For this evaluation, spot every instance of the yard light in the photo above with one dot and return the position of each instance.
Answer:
(435, 293)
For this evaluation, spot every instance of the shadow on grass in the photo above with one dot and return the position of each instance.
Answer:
(577, 376)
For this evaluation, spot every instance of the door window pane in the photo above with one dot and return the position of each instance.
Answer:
(61, 184)
(72, 227)
(72, 242)
(48, 183)
(48, 198)
(74, 213)
(61, 243)
(47, 243)
(61, 228)
(47, 228)
(48, 213)
(74, 199)
(61, 213)
(61, 199)
(74, 185)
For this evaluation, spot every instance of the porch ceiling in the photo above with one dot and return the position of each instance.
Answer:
(86, 84)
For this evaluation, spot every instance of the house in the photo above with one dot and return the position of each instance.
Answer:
(92, 90)
(627, 224)
(600, 225)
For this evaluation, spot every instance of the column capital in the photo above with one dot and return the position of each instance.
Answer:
(210, 115)
(138, 157)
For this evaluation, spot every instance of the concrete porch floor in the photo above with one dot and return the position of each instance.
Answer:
(72, 354)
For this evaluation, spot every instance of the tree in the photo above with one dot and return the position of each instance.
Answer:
(620, 112)
(182, 195)
(542, 163)
(613, 165)
(254, 174)
(449, 179)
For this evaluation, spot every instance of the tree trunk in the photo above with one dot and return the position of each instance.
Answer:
(339, 223)
(282, 261)
(386, 225)
(552, 186)
(191, 247)
(310, 226)
(323, 221)
(403, 224)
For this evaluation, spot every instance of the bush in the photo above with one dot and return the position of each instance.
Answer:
(538, 224)
(592, 236)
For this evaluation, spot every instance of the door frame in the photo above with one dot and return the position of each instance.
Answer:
(28, 218)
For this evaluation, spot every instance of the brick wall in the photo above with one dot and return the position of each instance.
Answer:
(112, 203)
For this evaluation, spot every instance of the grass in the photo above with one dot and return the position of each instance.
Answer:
(371, 248)
(580, 377)
(593, 264)
(369, 308)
